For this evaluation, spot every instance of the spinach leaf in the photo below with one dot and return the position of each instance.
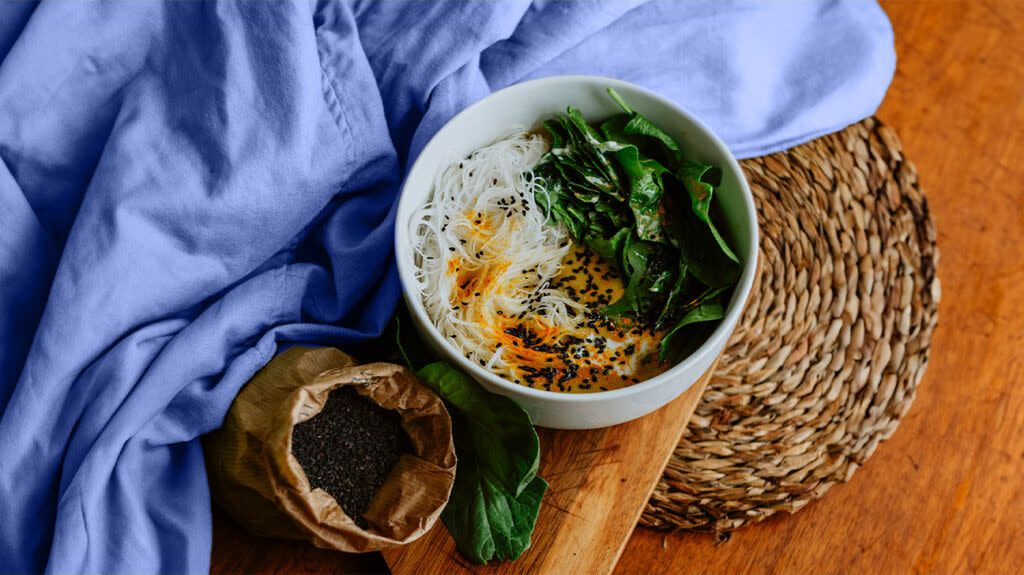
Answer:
(554, 201)
(609, 248)
(486, 521)
(661, 281)
(635, 257)
(616, 215)
(686, 341)
(645, 192)
(499, 429)
(692, 238)
(585, 159)
(697, 179)
(656, 284)
(590, 141)
(615, 137)
(638, 125)
(496, 496)
(557, 140)
(674, 297)
(581, 180)
(707, 311)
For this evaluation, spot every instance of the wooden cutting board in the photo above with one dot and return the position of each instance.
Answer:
(599, 480)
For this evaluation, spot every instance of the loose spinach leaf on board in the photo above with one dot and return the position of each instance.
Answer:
(496, 496)
(487, 521)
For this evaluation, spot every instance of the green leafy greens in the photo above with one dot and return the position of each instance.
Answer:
(627, 192)
(497, 493)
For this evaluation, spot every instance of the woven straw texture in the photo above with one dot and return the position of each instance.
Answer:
(831, 346)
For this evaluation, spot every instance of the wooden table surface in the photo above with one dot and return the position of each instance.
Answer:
(946, 493)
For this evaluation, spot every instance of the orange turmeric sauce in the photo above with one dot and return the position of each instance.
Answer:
(600, 354)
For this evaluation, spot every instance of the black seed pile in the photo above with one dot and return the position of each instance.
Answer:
(349, 448)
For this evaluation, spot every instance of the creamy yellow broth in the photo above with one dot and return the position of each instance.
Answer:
(599, 355)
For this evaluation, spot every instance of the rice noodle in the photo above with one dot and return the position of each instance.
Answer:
(485, 253)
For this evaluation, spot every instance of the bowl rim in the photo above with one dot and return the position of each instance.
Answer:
(722, 331)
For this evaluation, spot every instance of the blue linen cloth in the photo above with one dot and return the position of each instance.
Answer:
(185, 187)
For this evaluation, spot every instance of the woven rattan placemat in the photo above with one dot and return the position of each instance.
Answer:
(833, 342)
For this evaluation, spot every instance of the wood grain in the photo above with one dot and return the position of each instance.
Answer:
(944, 495)
(236, 551)
(599, 480)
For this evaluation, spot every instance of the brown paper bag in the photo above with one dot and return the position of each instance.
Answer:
(254, 476)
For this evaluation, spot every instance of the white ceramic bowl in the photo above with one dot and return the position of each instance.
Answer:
(526, 105)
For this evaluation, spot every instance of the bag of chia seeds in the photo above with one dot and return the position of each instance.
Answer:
(350, 457)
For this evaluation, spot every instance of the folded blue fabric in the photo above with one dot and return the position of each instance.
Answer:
(186, 187)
